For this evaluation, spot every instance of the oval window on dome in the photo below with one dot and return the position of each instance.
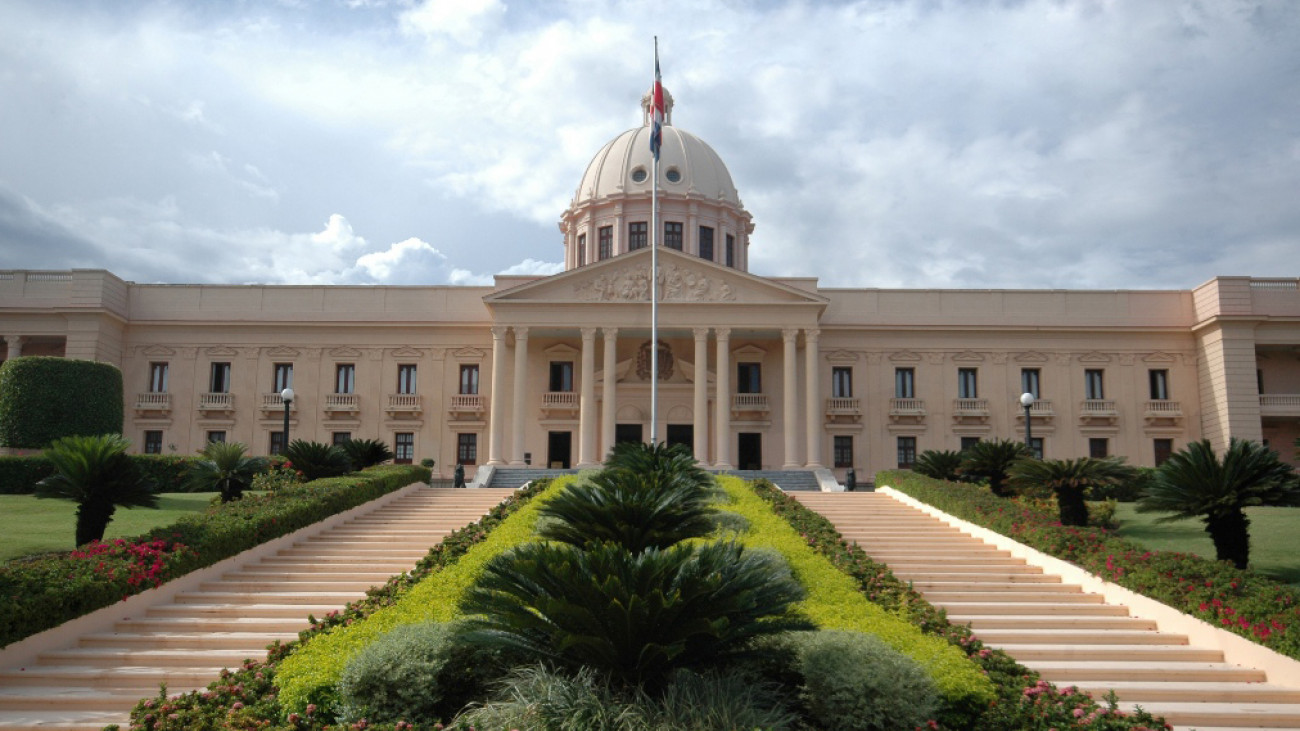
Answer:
(673, 175)
(638, 175)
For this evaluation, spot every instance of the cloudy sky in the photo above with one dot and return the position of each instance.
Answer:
(1043, 143)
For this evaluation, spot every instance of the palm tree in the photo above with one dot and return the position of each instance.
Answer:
(1070, 480)
(96, 472)
(938, 464)
(225, 469)
(366, 452)
(1193, 483)
(316, 459)
(990, 460)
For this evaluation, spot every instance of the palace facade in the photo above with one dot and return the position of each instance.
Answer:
(755, 371)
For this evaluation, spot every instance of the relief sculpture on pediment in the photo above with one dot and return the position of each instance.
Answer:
(676, 284)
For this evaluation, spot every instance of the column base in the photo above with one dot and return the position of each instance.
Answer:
(813, 466)
(723, 466)
(791, 466)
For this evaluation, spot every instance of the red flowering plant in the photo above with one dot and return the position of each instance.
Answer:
(1240, 601)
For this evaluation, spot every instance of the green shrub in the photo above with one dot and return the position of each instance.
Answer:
(169, 473)
(95, 472)
(19, 475)
(365, 453)
(43, 399)
(1128, 491)
(316, 460)
(853, 681)
(939, 464)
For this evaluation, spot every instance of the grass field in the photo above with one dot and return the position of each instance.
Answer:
(29, 525)
(1274, 538)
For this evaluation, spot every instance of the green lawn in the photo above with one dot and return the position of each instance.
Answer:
(29, 525)
(1273, 538)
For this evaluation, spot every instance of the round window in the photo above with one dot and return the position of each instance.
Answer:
(638, 175)
(673, 175)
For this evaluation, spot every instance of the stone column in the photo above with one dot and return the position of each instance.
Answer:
(609, 404)
(723, 400)
(812, 356)
(701, 405)
(496, 414)
(790, 398)
(520, 396)
(587, 401)
(15, 343)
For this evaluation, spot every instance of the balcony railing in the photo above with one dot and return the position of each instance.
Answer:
(342, 402)
(403, 402)
(273, 402)
(466, 403)
(153, 401)
(560, 400)
(1279, 404)
(749, 402)
(1098, 408)
(216, 402)
(966, 408)
(1163, 409)
(906, 408)
(843, 407)
(1040, 409)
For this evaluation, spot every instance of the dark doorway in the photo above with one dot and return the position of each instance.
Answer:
(627, 433)
(559, 445)
(749, 456)
(683, 434)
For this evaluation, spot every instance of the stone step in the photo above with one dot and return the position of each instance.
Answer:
(1079, 610)
(1259, 715)
(199, 609)
(1012, 596)
(92, 676)
(109, 657)
(69, 699)
(1106, 636)
(254, 573)
(1067, 672)
(324, 583)
(334, 598)
(992, 577)
(991, 622)
(989, 585)
(1137, 691)
(344, 565)
(199, 641)
(59, 720)
(1118, 653)
(188, 623)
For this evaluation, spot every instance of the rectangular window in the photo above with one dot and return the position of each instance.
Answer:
(904, 383)
(843, 451)
(158, 378)
(841, 382)
(636, 235)
(968, 383)
(1029, 378)
(1159, 384)
(282, 378)
(277, 443)
(341, 437)
(1099, 448)
(466, 449)
(403, 447)
(469, 379)
(906, 452)
(1036, 446)
(582, 249)
(1093, 386)
(216, 436)
(153, 442)
(968, 442)
(673, 235)
(406, 378)
(345, 378)
(605, 236)
(749, 378)
(706, 243)
(1163, 449)
(731, 250)
(561, 376)
(219, 378)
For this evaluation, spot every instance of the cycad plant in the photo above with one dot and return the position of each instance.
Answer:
(938, 464)
(1070, 479)
(366, 452)
(225, 469)
(1194, 483)
(96, 472)
(990, 461)
(316, 460)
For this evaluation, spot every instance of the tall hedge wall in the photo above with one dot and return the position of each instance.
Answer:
(43, 399)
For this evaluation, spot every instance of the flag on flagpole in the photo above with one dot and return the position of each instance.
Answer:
(656, 111)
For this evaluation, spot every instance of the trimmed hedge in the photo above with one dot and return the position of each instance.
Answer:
(44, 398)
(44, 593)
(1242, 602)
(19, 475)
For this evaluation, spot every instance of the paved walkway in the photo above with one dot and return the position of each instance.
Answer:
(1069, 636)
(97, 678)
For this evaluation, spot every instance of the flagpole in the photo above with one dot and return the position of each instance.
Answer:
(654, 262)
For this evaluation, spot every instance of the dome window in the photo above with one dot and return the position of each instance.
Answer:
(638, 175)
(673, 175)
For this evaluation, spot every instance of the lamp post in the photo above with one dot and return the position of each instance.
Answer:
(1027, 401)
(287, 396)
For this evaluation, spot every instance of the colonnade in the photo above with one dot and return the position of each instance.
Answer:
(588, 439)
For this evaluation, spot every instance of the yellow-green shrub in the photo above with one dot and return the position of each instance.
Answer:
(311, 672)
(834, 601)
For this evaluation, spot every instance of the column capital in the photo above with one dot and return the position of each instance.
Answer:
(701, 333)
(811, 336)
(14, 339)
(521, 332)
(722, 333)
(790, 334)
(588, 334)
(609, 332)
(499, 332)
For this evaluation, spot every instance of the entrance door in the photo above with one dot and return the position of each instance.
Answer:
(749, 455)
(683, 434)
(559, 445)
(627, 433)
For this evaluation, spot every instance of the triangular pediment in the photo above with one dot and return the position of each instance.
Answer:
(748, 351)
(157, 350)
(563, 350)
(407, 351)
(683, 279)
(345, 352)
(1158, 358)
(281, 351)
(468, 353)
(968, 356)
(1031, 357)
(904, 356)
(1094, 357)
(842, 356)
(221, 351)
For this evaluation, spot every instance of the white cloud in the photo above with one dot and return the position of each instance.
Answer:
(463, 20)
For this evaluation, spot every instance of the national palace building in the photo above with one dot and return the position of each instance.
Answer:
(754, 371)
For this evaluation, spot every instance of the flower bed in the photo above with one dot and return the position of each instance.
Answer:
(46, 592)
(1242, 602)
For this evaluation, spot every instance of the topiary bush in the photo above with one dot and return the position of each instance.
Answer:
(853, 681)
(44, 398)
(19, 475)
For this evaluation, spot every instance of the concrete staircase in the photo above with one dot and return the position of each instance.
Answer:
(513, 478)
(787, 480)
(1069, 636)
(98, 677)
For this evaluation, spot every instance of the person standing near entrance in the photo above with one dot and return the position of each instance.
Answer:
(458, 476)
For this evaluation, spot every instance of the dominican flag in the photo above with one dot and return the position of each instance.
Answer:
(656, 111)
